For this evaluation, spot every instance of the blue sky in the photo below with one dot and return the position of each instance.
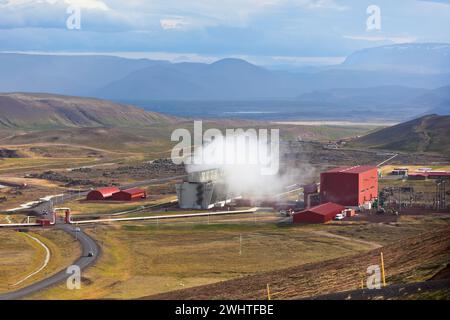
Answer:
(269, 32)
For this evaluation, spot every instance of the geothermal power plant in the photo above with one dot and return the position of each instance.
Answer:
(340, 189)
(203, 190)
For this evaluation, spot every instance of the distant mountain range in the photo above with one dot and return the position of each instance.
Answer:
(422, 58)
(401, 76)
(430, 133)
(42, 111)
(72, 75)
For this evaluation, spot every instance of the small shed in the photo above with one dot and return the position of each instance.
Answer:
(130, 195)
(349, 212)
(102, 193)
(318, 214)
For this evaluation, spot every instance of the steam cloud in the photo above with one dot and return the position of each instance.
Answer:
(243, 161)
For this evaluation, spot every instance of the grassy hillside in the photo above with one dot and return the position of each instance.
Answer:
(430, 133)
(42, 111)
(407, 260)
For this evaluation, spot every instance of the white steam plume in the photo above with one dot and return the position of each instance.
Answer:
(243, 166)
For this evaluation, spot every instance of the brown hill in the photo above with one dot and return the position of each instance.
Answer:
(44, 111)
(430, 133)
(403, 260)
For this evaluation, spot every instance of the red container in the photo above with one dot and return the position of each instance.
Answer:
(349, 212)
(417, 176)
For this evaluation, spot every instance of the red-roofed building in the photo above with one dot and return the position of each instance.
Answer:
(318, 214)
(102, 194)
(429, 175)
(349, 186)
(133, 194)
(438, 175)
(418, 176)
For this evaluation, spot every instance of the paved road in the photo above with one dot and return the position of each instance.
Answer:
(88, 245)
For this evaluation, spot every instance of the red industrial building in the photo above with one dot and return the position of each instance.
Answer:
(102, 194)
(438, 175)
(349, 186)
(318, 214)
(417, 176)
(429, 175)
(129, 195)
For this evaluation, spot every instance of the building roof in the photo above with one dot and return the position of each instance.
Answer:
(418, 174)
(108, 191)
(325, 208)
(134, 191)
(438, 173)
(355, 169)
(430, 173)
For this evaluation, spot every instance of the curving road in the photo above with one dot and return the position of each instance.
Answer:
(87, 244)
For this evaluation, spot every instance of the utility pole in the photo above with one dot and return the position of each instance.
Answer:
(440, 197)
(240, 244)
(383, 276)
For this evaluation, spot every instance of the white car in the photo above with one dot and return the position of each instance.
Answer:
(339, 216)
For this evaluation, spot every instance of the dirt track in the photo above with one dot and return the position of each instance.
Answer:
(408, 260)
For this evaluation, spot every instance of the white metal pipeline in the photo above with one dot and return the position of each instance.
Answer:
(288, 192)
(54, 219)
(175, 216)
(14, 225)
(389, 159)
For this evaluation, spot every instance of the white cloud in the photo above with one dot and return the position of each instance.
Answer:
(394, 39)
(172, 23)
(84, 4)
(88, 4)
(282, 31)
(309, 60)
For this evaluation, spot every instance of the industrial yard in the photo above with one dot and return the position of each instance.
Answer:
(339, 205)
(224, 156)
